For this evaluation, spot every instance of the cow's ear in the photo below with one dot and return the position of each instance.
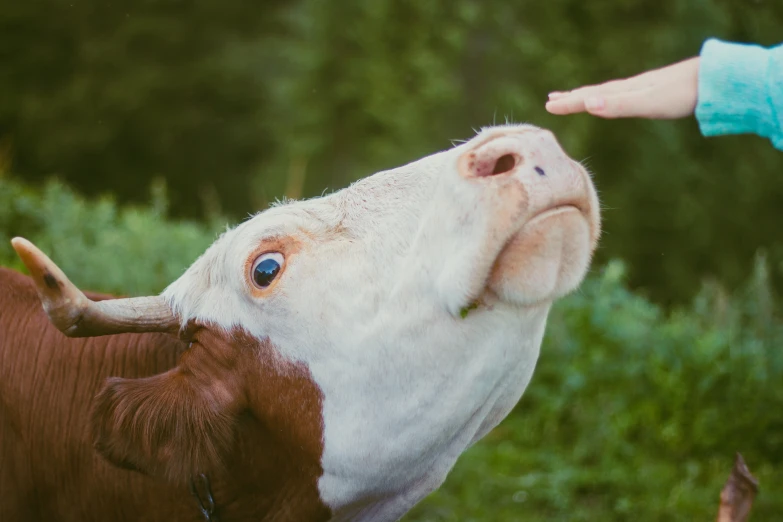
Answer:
(178, 423)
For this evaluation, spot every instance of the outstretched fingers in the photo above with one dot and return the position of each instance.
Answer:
(669, 92)
(588, 97)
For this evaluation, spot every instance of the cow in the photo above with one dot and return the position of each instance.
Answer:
(325, 360)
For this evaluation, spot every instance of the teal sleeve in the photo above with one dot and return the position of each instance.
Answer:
(741, 90)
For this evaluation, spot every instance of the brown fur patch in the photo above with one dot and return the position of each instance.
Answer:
(175, 424)
(262, 446)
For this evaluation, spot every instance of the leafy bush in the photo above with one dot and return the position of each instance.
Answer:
(633, 412)
(99, 245)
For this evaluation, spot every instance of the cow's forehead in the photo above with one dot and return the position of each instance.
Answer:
(313, 216)
(396, 193)
(352, 211)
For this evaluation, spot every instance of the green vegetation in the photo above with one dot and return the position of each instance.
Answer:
(99, 245)
(633, 413)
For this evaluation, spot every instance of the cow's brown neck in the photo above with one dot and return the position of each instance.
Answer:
(273, 472)
(51, 472)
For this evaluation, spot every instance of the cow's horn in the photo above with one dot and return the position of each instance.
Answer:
(77, 316)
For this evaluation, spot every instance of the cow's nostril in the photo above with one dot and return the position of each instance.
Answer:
(495, 158)
(504, 163)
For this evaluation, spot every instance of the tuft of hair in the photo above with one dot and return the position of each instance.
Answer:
(175, 424)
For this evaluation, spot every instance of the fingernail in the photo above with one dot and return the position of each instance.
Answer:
(555, 94)
(594, 104)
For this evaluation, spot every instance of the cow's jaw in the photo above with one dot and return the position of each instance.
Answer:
(397, 419)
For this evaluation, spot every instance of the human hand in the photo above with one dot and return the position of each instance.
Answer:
(666, 93)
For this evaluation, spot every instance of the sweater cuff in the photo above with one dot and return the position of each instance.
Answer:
(733, 97)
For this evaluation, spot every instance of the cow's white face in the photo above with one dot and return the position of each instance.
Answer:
(372, 291)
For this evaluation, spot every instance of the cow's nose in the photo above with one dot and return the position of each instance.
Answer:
(526, 152)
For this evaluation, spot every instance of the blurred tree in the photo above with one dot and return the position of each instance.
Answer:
(110, 95)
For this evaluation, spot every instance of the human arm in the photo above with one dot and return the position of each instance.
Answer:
(731, 88)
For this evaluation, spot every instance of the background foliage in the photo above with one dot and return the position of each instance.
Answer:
(194, 114)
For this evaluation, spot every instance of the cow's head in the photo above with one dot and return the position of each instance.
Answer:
(385, 327)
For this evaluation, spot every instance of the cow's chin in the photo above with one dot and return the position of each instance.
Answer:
(545, 260)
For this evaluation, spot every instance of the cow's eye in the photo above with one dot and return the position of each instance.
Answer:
(266, 268)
